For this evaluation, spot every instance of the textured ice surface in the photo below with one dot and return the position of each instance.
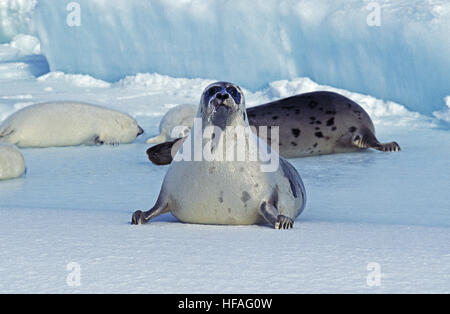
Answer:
(406, 59)
(22, 58)
(15, 18)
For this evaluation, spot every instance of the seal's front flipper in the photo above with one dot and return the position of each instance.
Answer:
(370, 141)
(162, 154)
(161, 207)
(272, 216)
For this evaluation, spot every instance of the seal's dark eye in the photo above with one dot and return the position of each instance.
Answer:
(235, 94)
(213, 90)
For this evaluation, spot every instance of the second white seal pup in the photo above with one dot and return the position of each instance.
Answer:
(227, 192)
(182, 115)
(68, 124)
(12, 163)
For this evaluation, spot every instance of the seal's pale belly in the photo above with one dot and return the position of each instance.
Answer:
(216, 196)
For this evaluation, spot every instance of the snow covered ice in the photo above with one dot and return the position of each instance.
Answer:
(75, 203)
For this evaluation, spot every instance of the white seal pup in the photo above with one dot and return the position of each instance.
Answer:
(227, 191)
(182, 115)
(12, 163)
(57, 124)
(316, 123)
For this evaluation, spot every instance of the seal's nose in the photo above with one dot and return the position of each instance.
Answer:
(141, 131)
(222, 96)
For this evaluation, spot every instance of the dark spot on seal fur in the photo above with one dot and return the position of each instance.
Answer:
(353, 129)
(294, 143)
(318, 122)
(313, 118)
(334, 128)
(330, 122)
(330, 112)
(319, 134)
(245, 197)
(287, 107)
(296, 132)
(275, 118)
(221, 197)
(315, 145)
(243, 115)
(317, 128)
(252, 115)
(297, 112)
(313, 104)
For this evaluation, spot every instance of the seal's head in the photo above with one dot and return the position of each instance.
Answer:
(223, 104)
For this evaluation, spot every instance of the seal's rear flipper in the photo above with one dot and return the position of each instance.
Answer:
(157, 139)
(161, 154)
(390, 147)
(370, 141)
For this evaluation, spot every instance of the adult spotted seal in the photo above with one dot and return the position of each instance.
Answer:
(219, 191)
(310, 124)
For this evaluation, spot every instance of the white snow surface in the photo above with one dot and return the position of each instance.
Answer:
(75, 205)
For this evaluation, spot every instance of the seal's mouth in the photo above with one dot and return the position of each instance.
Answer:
(221, 108)
(220, 115)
